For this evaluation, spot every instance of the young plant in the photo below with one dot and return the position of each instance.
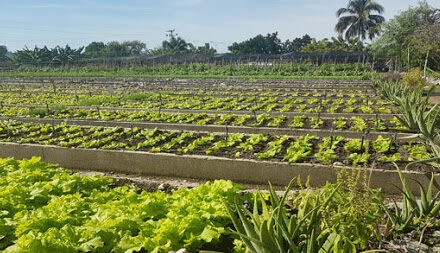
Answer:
(230, 141)
(333, 109)
(348, 109)
(417, 152)
(277, 121)
(298, 122)
(396, 157)
(316, 122)
(340, 123)
(379, 125)
(357, 145)
(299, 149)
(326, 153)
(358, 124)
(274, 148)
(253, 140)
(365, 109)
(382, 145)
(357, 158)
(200, 142)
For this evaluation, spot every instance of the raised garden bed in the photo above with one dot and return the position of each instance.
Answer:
(204, 167)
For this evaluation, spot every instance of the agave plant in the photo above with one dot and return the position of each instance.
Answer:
(406, 216)
(271, 229)
(318, 221)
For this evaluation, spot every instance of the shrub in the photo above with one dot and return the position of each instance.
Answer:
(414, 78)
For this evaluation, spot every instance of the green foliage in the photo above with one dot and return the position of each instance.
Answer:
(253, 140)
(357, 158)
(356, 145)
(57, 56)
(274, 148)
(4, 54)
(414, 78)
(413, 29)
(273, 229)
(382, 145)
(358, 123)
(340, 123)
(299, 149)
(396, 157)
(417, 152)
(326, 153)
(298, 122)
(413, 212)
(334, 45)
(204, 70)
(335, 218)
(47, 210)
(269, 44)
(316, 122)
(356, 20)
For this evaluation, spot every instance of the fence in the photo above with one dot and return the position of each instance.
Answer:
(215, 59)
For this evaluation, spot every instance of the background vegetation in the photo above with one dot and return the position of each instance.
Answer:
(410, 39)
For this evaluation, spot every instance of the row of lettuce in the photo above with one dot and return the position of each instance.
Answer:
(301, 121)
(238, 103)
(305, 148)
(47, 209)
(44, 209)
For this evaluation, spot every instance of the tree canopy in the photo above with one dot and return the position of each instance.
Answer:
(415, 30)
(45, 56)
(114, 49)
(336, 44)
(269, 44)
(357, 21)
(3, 53)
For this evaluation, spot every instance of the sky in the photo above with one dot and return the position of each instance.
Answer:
(218, 22)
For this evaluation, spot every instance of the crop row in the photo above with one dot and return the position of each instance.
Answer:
(255, 146)
(355, 123)
(47, 209)
(298, 106)
(149, 95)
(260, 97)
(218, 88)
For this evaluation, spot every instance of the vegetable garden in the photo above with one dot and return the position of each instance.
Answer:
(354, 123)
(337, 125)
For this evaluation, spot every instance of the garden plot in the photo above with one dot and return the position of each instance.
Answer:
(313, 123)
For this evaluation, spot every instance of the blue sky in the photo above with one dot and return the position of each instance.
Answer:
(219, 22)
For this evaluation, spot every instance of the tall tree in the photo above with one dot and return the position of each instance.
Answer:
(357, 20)
(3, 53)
(177, 45)
(413, 30)
(338, 44)
(94, 50)
(116, 49)
(134, 47)
(206, 49)
(269, 44)
(297, 44)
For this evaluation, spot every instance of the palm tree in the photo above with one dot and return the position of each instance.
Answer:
(357, 21)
